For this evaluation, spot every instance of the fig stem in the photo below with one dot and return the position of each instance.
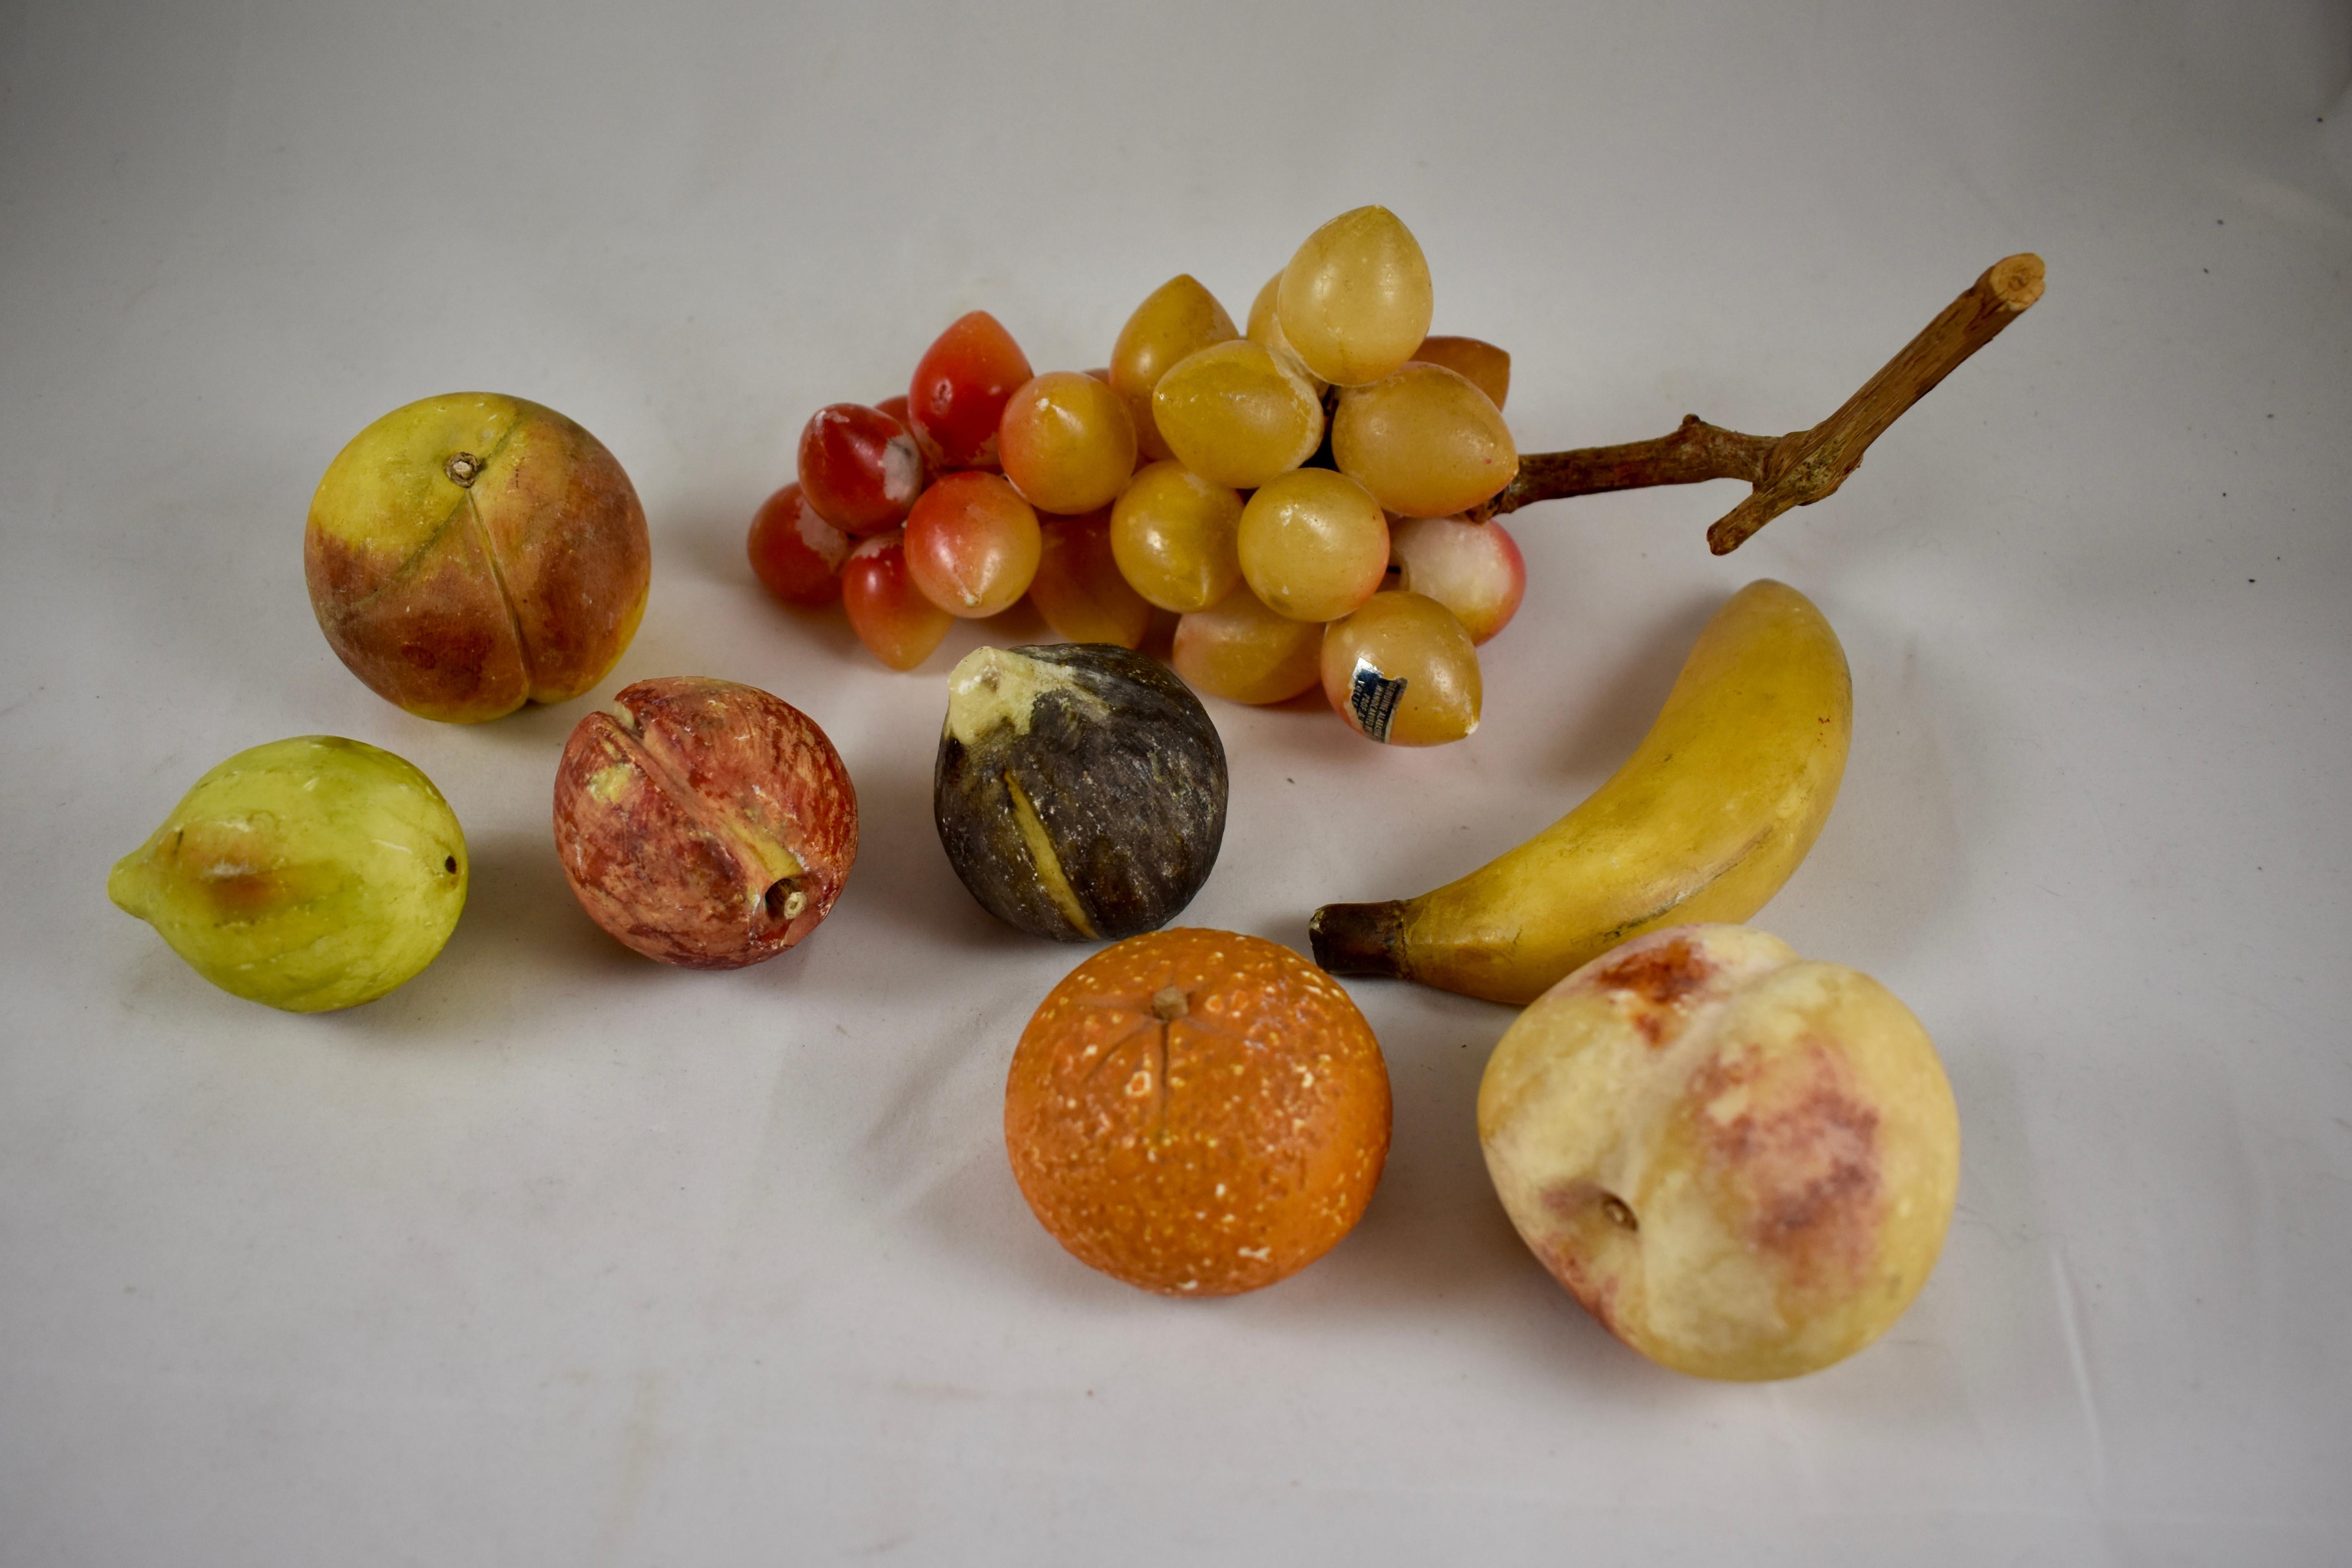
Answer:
(1803, 465)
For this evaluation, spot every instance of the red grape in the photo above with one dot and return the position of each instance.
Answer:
(972, 544)
(887, 611)
(795, 554)
(959, 390)
(859, 468)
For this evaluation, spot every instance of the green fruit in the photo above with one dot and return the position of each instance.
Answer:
(309, 874)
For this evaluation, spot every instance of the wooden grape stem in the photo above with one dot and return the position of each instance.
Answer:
(1801, 468)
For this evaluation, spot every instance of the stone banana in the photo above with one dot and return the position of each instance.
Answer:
(1711, 813)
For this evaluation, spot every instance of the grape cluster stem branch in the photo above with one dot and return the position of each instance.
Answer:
(1803, 467)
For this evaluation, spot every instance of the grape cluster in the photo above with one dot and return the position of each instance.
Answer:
(1294, 494)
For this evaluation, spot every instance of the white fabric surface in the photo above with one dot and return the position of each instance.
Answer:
(558, 1257)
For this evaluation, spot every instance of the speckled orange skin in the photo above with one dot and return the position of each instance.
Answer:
(689, 822)
(1206, 1155)
(462, 602)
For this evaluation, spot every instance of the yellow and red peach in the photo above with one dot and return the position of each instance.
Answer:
(1741, 1162)
(469, 553)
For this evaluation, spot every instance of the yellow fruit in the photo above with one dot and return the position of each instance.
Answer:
(1172, 533)
(1265, 330)
(469, 554)
(1424, 441)
(1741, 1162)
(1176, 320)
(307, 874)
(1243, 652)
(1313, 544)
(1238, 413)
(1355, 300)
(1711, 813)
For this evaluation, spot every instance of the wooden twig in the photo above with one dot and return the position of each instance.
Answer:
(1801, 468)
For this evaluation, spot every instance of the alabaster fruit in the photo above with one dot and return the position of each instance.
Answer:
(702, 823)
(1080, 789)
(1473, 569)
(469, 553)
(1197, 1112)
(308, 874)
(1741, 1161)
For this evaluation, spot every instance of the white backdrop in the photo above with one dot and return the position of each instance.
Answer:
(555, 1255)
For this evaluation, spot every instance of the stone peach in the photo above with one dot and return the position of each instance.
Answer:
(469, 553)
(1741, 1162)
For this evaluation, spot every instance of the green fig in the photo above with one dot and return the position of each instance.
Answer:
(309, 874)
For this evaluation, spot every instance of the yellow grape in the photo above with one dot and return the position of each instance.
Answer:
(1240, 650)
(1403, 670)
(1314, 545)
(1172, 535)
(1236, 413)
(1266, 328)
(1175, 320)
(1079, 588)
(1487, 367)
(1424, 441)
(1355, 300)
(1068, 442)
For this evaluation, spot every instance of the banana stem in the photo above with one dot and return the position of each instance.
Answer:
(1359, 939)
(1803, 467)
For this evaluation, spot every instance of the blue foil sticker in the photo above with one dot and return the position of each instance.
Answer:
(1372, 698)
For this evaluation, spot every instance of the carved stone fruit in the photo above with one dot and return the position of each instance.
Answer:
(1741, 1161)
(469, 553)
(1080, 791)
(307, 874)
(1197, 1112)
(702, 823)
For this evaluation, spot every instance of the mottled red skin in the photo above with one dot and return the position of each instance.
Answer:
(846, 468)
(443, 634)
(795, 554)
(1653, 984)
(960, 389)
(1802, 1160)
(661, 855)
(428, 633)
